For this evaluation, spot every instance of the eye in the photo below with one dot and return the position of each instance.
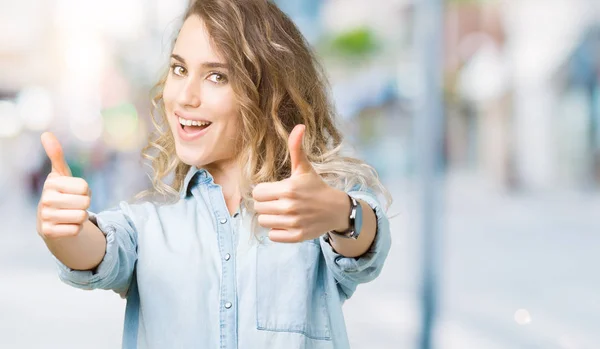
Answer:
(178, 70)
(217, 78)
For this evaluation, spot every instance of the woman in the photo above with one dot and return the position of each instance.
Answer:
(270, 229)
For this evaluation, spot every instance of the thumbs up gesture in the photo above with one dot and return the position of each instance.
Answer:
(303, 206)
(63, 205)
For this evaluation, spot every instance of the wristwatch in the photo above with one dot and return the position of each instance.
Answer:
(355, 221)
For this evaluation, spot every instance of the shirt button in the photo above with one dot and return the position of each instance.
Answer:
(223, 221)
(228, 305)
(235, 215)
(227, 257)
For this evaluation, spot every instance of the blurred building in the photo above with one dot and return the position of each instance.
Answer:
(505, 97)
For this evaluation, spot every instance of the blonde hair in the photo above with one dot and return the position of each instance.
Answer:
(278, 84)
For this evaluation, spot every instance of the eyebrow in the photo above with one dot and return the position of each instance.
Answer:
(210, 65)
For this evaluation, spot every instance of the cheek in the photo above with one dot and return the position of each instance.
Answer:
(234, 121)
(224, 105)
(230, 106)
(169, 96)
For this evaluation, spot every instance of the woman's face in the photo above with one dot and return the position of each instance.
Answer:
(198, 94)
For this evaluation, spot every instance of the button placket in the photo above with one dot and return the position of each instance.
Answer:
(228, 255)
(227, 294)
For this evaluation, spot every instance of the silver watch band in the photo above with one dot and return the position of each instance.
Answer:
(351, 232)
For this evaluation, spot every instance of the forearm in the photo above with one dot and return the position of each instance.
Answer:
(82, 252)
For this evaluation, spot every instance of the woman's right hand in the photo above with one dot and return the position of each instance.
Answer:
(63, 205)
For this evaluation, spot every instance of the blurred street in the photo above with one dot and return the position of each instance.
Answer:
(517, 262)
(532, 260)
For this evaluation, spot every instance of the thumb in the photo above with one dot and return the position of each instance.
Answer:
(55, 154)
(300, 163)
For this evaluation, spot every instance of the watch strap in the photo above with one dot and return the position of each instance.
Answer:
(351, 231)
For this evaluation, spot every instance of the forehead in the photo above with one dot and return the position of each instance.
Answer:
(193, 42)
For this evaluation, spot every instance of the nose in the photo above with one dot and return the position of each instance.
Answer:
(189, 95)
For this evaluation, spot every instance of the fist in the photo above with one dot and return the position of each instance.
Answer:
(63, 205)
(301, 207)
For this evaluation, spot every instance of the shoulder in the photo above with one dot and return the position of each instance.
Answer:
(366, 194)
(149, 208)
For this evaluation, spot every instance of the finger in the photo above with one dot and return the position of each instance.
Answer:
(54, 231)
(300, 163)
(276, 207)
(64, 216)
(55, 154)
(66, 201)
(280, 235)
(68, 185)
(271, 191)
(278, 221)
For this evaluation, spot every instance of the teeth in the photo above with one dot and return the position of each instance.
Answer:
(185, 122)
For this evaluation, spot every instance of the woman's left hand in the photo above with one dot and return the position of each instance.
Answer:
(301, 207)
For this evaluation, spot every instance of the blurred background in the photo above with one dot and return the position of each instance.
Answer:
(514, 252)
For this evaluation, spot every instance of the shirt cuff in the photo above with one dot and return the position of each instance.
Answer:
(87, 279)
(351, 271)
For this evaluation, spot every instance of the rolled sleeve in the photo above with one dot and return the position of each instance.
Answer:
(350, 271)
(115, 271)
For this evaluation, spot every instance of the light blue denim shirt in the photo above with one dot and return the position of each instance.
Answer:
(197, 277)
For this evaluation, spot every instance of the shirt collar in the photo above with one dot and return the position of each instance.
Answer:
(195, 175)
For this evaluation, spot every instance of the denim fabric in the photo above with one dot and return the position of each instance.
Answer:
(195, 276)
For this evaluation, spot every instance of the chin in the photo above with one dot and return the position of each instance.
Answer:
(191, 159)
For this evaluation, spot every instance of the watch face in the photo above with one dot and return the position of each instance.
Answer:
(358, 219)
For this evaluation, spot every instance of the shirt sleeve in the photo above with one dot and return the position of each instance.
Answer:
(115, 271)
(351, 271)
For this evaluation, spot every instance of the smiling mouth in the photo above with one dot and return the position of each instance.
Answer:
(193, 129)
(193, 126)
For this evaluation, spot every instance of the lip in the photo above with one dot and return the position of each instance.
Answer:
(179, 114)
(189, 136)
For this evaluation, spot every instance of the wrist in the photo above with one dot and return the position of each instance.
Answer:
(340, 210)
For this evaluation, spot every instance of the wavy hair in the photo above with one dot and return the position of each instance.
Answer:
(278, 84)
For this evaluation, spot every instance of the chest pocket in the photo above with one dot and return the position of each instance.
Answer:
(289, 296)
